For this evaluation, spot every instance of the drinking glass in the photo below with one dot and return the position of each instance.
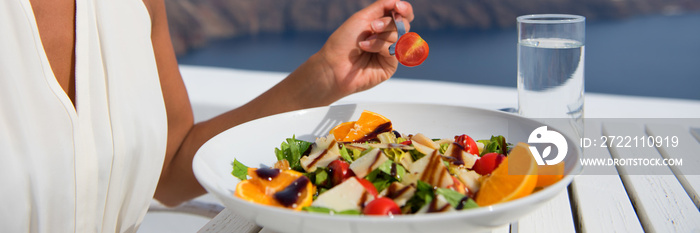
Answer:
(551, 52)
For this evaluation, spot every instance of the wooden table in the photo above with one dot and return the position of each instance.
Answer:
(598, 200)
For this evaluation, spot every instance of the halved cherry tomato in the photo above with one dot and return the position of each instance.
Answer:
(487, 163)
(382, 206)
(411, 49)
(340, 171)
(369, 187)
(467, 143)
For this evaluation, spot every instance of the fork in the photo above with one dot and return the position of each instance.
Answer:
(400, 29)
(335, 115)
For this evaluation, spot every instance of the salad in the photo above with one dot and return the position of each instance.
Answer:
(365, 167)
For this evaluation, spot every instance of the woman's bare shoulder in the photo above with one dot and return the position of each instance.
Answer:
(154, 8)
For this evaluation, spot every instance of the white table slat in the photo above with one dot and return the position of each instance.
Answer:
(603, 205)
(503, 229)
(555, 216)
(227, 221)
(266, 230)
(660, 200)
(600, 199)
(688, 150)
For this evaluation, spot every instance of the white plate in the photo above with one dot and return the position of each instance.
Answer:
(253, 144)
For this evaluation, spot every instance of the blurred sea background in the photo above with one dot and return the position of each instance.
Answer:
(633, 47)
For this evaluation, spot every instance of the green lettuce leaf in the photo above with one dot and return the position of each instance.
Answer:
(292, 150)
(345, 154)
(240, 171)
(398, 171)
(379, 179)
(496, 144)
(382, 177)
(424, 194)
(469, 204)
(456, 199)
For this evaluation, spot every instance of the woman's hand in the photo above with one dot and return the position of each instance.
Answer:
(356, 56)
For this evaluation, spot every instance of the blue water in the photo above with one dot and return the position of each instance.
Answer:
(645, 56)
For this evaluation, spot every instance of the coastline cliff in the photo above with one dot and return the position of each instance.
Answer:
(195, 22)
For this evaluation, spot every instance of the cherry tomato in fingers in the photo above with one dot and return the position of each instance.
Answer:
(382, 206)
(411, 49)
(340, 171)
(368, 186)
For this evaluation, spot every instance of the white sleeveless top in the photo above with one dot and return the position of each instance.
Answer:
(90, 169)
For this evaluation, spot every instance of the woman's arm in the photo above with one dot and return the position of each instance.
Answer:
(354, 58)
(178, 109)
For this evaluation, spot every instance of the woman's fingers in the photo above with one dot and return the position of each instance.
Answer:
(381, 25)
(405, 9)
(379, 43)
(380, 10)
(383, 30)
(386, 24)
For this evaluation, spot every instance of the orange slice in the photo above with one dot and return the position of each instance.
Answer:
(249, 191)
(279, 182)
(261, 190)
(506, 184)
(370, 124)
(305, 197)
(342, 130)
(549, 174)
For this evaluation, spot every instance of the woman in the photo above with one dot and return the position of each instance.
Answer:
(95, 118)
